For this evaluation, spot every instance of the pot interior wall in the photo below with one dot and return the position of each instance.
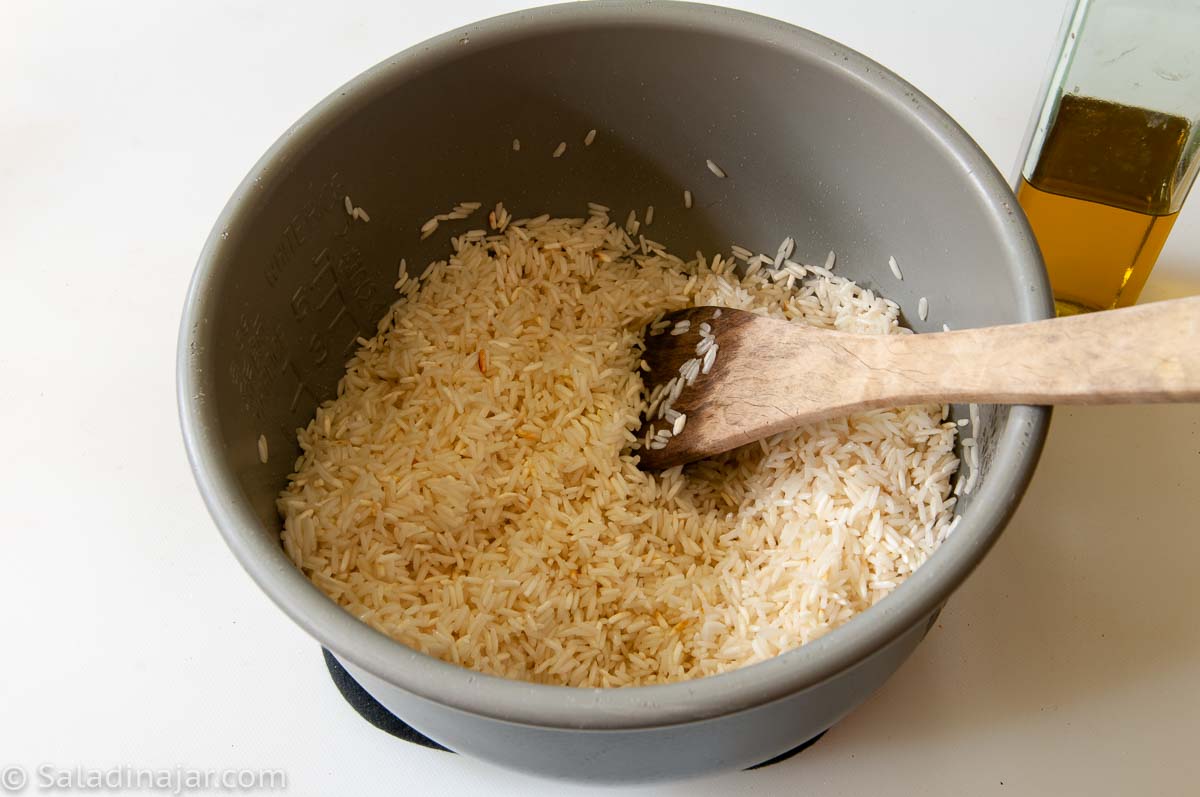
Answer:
(808, 149)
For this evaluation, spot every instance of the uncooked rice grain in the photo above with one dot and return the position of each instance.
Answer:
(715, 169)
(560, 149)
(785, 251)
(500, 520)
(895, 267)
(590, 137)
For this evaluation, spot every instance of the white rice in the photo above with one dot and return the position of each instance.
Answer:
(785, 251)
(499, 218)
(687, 198)
(692, 369)
(516, 145)
(649, 216)
(715, 169)
(356, 213)
(460, 211)
(590, 137)
(560, 149)
(263, 453)
(972, 453)
(631, 223)
(923, 308)
(473, 491)
(895, 267)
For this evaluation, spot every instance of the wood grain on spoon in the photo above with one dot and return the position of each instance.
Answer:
(773, 375)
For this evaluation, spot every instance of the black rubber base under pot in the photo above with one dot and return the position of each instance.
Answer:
(373, 712)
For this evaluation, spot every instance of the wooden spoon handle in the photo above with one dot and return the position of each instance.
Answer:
(1144, 354)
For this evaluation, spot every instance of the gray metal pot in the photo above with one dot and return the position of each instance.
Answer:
(818, 141)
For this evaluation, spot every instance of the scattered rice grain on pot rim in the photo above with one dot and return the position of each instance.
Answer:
(497, 518)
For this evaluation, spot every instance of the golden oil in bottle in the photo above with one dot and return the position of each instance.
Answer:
(1100, 197)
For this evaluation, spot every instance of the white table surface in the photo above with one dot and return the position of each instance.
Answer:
(1068, 664)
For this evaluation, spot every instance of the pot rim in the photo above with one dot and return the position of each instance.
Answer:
(1017, 448)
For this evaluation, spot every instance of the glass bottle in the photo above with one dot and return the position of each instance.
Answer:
(1112, 151)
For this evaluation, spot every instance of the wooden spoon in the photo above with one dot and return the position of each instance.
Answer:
(771, 375)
